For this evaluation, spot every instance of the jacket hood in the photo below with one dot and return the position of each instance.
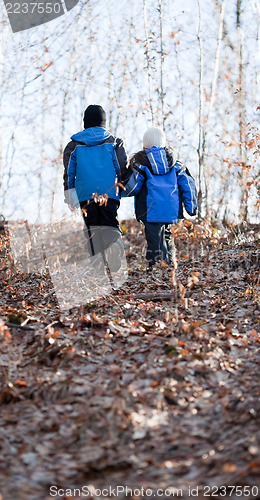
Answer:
(91, 136)
(161, 160)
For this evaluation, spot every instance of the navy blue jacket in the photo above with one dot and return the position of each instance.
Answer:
(160, 186)
(92, 162)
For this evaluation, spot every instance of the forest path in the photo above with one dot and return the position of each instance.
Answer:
(132, 392)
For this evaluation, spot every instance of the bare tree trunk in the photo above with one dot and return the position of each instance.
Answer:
(110, 69)
(2, 58)
(42, 161)
(44, 93)
(241, 113)
(9, 162)
(161, 63)
(4, 82)
(204, 120)
(217, 60)
(181, 89)
(201, 143)
(258, 45)
(148, 62)
(67, 91)
(126, 64)
(212, 97)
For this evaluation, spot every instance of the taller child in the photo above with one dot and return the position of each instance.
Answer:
(92, 160)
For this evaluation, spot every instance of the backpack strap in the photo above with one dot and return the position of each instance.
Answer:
(142, 172)
(182, 170)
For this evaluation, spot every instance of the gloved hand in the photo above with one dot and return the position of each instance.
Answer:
(71, 199)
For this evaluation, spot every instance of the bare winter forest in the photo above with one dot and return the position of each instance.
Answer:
(151, 390)
(193, 69)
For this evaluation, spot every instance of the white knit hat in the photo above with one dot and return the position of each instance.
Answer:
(154, 136)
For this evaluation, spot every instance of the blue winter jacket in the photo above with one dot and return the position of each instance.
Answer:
(93, 165)
(160, 187)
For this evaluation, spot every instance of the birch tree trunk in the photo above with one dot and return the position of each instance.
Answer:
(241, 114)
(66, 96)
(148, 62)
(3, 48)
(258, 46)
(204, 117)
(161, 62)
(110, 70)
(201, 143)
(119, 99)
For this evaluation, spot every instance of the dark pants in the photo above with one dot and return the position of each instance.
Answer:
(100, 215)
(101, 224)
(159, 242)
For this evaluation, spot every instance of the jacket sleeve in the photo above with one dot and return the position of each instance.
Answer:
(121, 159)
(66, 158)
(72, 170)
(187, 191)
(135, 182)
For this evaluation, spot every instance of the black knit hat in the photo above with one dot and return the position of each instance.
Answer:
(94, 116)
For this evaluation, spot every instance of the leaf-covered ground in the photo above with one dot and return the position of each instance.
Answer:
(154, 386)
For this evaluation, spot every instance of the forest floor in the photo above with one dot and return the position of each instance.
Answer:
(155, 386)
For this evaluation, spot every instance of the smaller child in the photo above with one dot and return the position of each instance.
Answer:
(161, 185)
